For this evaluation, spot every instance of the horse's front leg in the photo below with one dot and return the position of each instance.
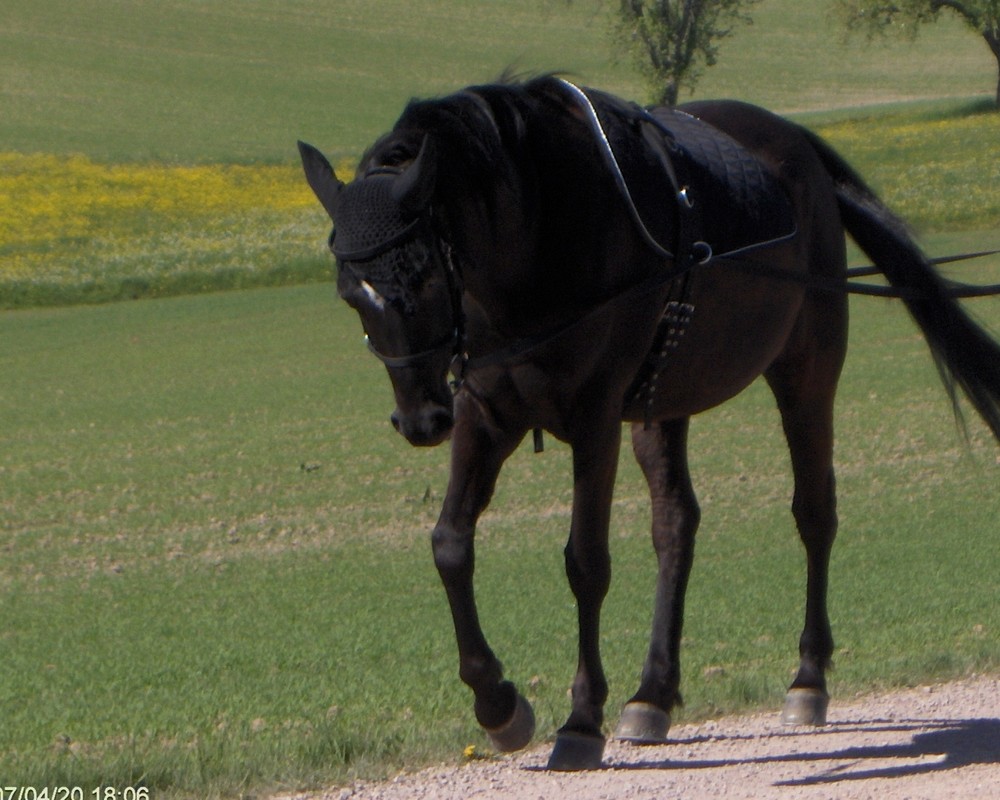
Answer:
(580, 742)
(478, 451)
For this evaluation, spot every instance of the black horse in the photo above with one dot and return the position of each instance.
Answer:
(577, 261)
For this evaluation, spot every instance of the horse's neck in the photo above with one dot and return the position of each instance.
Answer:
(547, 245)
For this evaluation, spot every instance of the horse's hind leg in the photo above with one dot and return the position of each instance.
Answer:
(805, 391)
(662, 454)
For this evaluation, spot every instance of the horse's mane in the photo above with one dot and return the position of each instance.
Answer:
(477, 136)
(478, 131)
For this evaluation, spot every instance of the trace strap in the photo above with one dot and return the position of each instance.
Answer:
(953, 289)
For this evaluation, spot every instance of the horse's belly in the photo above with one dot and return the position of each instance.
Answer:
(738, 328)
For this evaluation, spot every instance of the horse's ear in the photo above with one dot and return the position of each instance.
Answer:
(415, 187)
(321, 177)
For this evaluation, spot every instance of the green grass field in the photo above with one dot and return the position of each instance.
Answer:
(215, 577)
(241, 80)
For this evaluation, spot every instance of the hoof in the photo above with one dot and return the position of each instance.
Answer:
(574, 752)
(643, 723)
(805, 707)
(516, 733)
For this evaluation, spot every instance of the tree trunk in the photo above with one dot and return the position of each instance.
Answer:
(992, 38)
(998, 81)
(669, 95)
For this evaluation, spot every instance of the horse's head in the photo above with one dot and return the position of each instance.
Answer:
(395, 271)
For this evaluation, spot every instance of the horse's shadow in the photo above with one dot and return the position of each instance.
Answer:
(951, 744)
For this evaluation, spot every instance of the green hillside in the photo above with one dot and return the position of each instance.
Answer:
(240, 80)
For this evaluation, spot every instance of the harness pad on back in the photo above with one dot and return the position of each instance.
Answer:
(727, 203)
(738, 202)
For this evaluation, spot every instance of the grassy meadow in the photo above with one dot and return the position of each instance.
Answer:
(214, 572)
(216, 578)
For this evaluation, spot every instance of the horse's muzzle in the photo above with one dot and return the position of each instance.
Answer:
(426, 427)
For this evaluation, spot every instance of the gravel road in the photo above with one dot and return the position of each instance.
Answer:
(926, 743)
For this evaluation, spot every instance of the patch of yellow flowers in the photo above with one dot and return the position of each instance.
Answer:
(73, 222)
(938, 174)
(70, 220)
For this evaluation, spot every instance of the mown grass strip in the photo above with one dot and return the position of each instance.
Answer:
(185, 81)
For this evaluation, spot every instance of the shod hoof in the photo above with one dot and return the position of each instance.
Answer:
(805, 707)
(574, 752)
(516, 733)
(643, 723)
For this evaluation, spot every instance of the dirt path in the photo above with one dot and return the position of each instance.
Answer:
(927, 743)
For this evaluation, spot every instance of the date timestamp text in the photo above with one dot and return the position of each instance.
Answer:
(74, 793)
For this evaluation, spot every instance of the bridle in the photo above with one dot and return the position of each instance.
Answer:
(443, 257)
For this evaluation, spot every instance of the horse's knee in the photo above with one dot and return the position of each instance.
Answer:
(589, 571)
(675, 523)
(453, 551)
(815, 512)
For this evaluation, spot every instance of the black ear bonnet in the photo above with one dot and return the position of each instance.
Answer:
(370, 220)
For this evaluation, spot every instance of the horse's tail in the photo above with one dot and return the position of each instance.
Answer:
(964, 352)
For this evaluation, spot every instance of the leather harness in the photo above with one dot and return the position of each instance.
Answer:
(706, 169)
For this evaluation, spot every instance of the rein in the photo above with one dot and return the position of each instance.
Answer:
(954, 289)
(525, 345)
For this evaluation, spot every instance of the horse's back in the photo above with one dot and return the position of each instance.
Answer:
(739, 200)
(784, 146)
(763, 132)
(743, 323)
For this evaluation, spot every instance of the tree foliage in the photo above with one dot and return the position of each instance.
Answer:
(907, 16)
(673, 41)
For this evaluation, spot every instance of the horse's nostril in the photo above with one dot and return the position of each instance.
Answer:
(424, 428)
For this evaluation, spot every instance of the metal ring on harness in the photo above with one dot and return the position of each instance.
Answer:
(701, 252)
